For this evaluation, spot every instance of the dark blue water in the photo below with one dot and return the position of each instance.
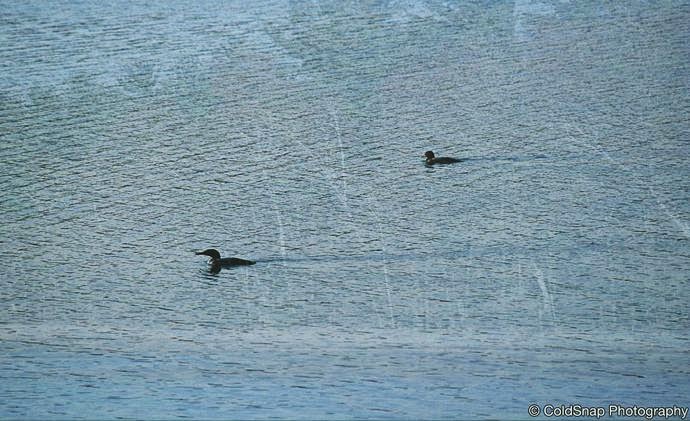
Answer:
(551, 266)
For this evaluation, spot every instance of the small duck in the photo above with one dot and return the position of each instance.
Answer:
(216, 262)
(431, 159)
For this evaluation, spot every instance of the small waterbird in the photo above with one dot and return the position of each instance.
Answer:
(216, 262)
(431, 159)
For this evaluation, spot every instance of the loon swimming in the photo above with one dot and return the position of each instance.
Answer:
(431, 159)
(216, 262)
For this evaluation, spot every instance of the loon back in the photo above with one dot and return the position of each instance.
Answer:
(235, 261)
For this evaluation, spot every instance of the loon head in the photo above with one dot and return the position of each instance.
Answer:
(429, 155)
(212, 253)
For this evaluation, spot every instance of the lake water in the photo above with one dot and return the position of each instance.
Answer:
(551, 266)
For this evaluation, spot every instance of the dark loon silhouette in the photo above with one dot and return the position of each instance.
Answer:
(217, 262)
(431, 159)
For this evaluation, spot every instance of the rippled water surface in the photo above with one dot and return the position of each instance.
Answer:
(550, 266)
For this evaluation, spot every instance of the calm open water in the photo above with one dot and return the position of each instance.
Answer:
(552, 266)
